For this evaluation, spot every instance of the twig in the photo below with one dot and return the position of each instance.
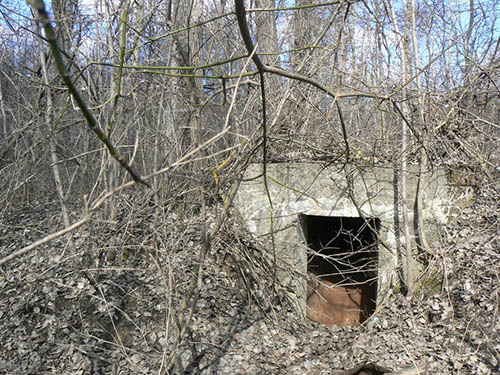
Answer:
(46, 239)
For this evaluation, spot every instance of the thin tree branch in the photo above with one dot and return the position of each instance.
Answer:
(46, 239)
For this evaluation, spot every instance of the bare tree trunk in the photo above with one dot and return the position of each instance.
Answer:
(267, 39)
(110, 172)
(267, 43)
(406, 68)
(267, 35)
(397, 225)
(468, 47)
(404, 159)
(404, 208)
(189, 50)
(49, 124)
(303, 36)
(3, 112)
(418, 223)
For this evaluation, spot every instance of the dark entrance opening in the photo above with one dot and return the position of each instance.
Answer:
(342, 263)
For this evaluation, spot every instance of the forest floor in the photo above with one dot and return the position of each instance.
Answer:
(103, 311)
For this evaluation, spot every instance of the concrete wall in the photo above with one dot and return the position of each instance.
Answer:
(312, 189)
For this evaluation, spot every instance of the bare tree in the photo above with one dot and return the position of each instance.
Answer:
(171, 89)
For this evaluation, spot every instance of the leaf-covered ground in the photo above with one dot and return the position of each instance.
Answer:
(110, 305)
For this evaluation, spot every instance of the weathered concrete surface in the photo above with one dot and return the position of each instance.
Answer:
(312, 189)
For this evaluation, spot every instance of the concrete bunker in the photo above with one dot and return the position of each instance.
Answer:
(342, 268)
(338, 196)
